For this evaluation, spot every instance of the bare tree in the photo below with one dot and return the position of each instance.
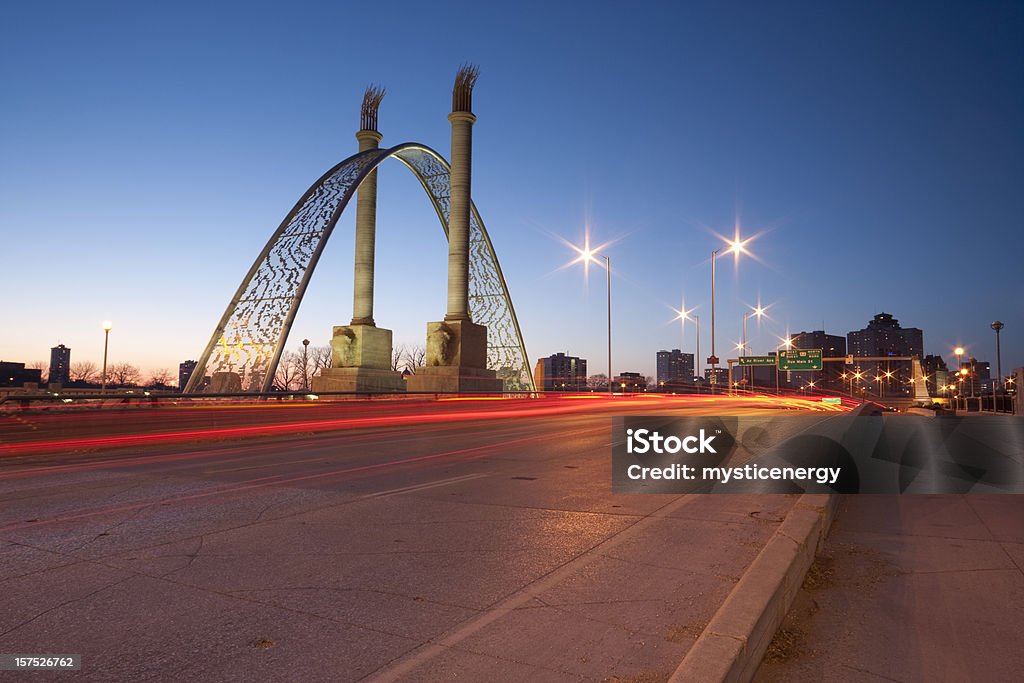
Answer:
(289, 372)
(123, 374)
(83, 371)
(398, 353)
(161, 378)
(42, 366)
(415, 357)
(320, 356)
(597, 382)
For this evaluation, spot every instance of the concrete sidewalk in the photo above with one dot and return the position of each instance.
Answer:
(910, 588)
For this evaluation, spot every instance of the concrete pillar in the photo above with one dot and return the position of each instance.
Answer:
(361, 351)
(462, 121)
(458, 218)
(456, 359)
(366, 214)
(366, 236)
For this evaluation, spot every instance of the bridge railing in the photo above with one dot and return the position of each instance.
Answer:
(989, 403)
(142, 397)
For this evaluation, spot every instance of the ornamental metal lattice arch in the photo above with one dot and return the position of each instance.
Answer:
(250, 337)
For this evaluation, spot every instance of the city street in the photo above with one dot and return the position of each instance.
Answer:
(400, 541)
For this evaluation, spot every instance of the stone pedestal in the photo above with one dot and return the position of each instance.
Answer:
(360, 362)
(224, 383)
(456, 360)
(358, 380)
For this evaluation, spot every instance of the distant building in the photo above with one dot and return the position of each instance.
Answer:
(884, 337)
(937, 374)
(629, 382)
(718, 377)
(981, 373)
(560, 373)
(17, 375)
(185, 371)
(674, 369)
(60, 365)
(829, 377)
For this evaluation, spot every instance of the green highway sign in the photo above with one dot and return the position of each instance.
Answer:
(757, 360)
(800, 359)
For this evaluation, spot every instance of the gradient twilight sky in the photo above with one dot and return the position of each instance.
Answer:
(876, 148)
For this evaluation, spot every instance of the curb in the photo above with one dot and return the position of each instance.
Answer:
(734, 642)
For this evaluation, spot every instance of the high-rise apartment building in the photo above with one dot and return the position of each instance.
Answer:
(60, 365)
(674, 369)
(560, 372)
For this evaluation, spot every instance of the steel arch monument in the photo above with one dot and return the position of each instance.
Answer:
(248, 341)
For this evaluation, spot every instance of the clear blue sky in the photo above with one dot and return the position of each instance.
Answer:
(147, 151)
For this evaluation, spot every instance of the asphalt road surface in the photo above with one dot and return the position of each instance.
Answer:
(405, 540)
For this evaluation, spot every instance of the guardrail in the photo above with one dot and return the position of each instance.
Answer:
(153, 398)
(144, 397)
(1003, 404)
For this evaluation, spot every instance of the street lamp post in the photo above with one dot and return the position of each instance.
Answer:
(959, 353)
(758, 312)
(735, 246)
(788, 342)
(587, 255)
(741, 368)
(608, 271)
(107, 326)
(997, 326)
(696, 358)
(683, 315)
(305, 364)
(712, 359)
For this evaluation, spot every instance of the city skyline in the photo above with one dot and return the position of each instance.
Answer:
(869, 179)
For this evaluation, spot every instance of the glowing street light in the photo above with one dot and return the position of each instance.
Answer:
(786, 341)
(858, 375)
(586, 255)
(735, 246)
(682, 315)
(757, 312)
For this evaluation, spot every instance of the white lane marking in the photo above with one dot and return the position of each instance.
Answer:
(423, 487)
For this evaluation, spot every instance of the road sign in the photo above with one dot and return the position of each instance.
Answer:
(757, 360)
(712, 360)
(800, 359)
(832, 400)
(849, 359)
